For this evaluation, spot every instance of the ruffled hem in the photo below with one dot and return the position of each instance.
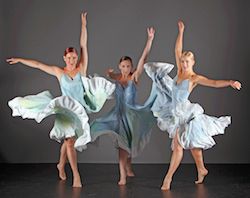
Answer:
(158, 72)
(71, 119)
(194, 129)
(97, 90)
(118, 142)
(31, 107)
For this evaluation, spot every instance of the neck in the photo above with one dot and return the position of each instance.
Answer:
(125, 76)
(70, 68)
(189, 72)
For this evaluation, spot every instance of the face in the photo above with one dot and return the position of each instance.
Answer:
(187, 63)
(71, 59)
(125, 67)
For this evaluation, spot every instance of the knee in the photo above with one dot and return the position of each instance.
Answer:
(70, 142)
(178, 148)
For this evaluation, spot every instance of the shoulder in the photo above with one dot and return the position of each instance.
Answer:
(198, 79)
(117, 76)
(59, 70)
(195, 77)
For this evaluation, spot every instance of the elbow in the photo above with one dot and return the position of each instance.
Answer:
(143, 60)
(37, 64)
(177, 50)
(216, 84)
(83, 45)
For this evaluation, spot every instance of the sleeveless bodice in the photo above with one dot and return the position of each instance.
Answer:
(126, 95)
(128, 123)
(180, 92)
(73, 88)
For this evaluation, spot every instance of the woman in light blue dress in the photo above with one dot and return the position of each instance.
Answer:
(80, 95)
(185, 122)
(128, 124)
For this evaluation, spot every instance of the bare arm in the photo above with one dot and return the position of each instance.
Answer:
(216, 83)
(52, 70)
(179, 46)
(83, 62)
(110, 73)
(144, 55)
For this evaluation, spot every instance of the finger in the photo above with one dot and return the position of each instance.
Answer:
(9, 60)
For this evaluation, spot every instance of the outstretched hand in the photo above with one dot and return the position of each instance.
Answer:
(12, 60)
(151, 33)
(84, 20)
(109, 71)
(236, 85)
(181, 26)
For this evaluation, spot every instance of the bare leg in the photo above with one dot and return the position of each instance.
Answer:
(72, 157)
(174, 163)
(198, 158)
(129, 168)
(63, 158)
(123, 158)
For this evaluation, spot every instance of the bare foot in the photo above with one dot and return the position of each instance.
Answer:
(62, 173)
(130, 174)
(77, 181)
(201, 176)
(122, 181)
(166, 184)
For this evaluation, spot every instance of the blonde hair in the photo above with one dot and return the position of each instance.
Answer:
(189, 54)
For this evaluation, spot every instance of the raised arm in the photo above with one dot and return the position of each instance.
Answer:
(83, 62)
(52, 70)
(216, 83)
(179, 46)
(110, 74)
(142, 60)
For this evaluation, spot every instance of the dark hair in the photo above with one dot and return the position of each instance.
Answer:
(68, 50)
(125, 58)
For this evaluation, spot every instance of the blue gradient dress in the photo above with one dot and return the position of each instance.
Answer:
(128, 124)
(80, 96)
(176, 114)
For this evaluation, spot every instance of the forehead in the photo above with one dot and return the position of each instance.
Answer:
(185, 58)
(126, 62)
(71, 54)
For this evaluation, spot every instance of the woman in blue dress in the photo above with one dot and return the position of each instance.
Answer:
(185, 122)
(128, 124)
(80, 95)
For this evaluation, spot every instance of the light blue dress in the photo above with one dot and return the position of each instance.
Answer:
(80, 96)
(128, 124)
(176, 114)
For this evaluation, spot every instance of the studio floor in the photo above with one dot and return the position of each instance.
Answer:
(100, 181)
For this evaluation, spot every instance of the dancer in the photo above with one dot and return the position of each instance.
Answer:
(79, 95)
(187, 125)
(128, 124)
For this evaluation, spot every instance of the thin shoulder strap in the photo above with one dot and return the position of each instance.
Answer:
(120, 77)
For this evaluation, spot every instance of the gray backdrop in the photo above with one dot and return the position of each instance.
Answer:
(217, 31)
